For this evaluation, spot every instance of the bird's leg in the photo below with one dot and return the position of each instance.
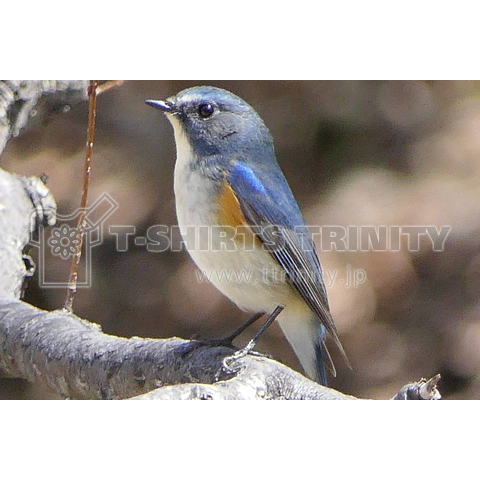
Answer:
(227, 341)
(230, 338)
(251, 344)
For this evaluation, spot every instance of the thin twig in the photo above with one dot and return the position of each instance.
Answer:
(109, 84)
(92, 110)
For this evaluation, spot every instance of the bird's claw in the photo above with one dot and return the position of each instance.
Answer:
(227, 363)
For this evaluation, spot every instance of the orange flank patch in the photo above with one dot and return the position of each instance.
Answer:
(230, 214)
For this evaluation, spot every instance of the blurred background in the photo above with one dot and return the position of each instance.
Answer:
(354, 153)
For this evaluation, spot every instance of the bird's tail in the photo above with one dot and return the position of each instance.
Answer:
(307, 337)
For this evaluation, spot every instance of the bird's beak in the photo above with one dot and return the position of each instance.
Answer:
(164, 106)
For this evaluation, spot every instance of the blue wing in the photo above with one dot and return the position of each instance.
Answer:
(269, 206)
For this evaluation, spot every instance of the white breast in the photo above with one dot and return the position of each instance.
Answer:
(243, 276)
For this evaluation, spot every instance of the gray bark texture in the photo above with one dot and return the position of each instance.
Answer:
(72, 356)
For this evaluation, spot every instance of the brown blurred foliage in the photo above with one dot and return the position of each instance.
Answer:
(354, 153)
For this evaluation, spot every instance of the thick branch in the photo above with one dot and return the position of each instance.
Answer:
(15, 229)
(75, 359)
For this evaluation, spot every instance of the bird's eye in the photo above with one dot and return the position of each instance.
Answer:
(206, 110)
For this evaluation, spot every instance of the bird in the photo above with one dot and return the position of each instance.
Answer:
(260, 253)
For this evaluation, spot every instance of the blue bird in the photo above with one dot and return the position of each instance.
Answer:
(259, 252)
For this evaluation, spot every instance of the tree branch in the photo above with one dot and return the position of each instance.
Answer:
(15, 230)
(22, 101)
(75, 359)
